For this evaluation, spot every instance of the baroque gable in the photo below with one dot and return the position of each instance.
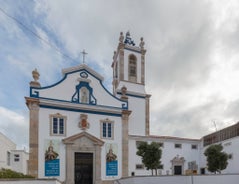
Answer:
(80, 85)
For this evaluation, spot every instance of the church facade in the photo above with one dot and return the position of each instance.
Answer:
(82, 133)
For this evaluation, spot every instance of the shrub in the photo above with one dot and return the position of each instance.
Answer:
(8, 173)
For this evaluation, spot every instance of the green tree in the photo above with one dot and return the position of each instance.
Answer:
(150, 155)
(216, 158)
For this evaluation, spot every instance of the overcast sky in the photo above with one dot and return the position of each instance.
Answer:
(192, 59)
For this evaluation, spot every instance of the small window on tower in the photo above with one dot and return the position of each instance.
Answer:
(132, 68)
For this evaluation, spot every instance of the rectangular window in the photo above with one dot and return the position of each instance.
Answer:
(8, 158)
(16, 158)
(57, 124)
(194, 146)
(230, 156)
(107, 128)
(104, 129)
(61, 126)
(138, 143)
(139, 166)
(178, 145)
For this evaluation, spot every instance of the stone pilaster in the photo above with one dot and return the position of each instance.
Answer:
(98, 164)
(70, 172)
(143, 66)
(147, 114)
(125, 142)
(121, 61)
(33, 105)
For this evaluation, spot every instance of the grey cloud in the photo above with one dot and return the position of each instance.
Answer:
(193, 122)
(183, 56)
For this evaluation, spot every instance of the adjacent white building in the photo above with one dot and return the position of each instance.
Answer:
(10, 157)
(82, 133)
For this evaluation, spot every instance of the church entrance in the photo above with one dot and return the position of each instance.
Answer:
(178, 165)
(83, 168)
(177, 169)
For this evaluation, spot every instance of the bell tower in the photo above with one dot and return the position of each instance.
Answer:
(129, 65)
(129, 82)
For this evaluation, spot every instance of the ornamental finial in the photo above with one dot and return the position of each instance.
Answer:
(128, 39)
(35, 75)
(141, 45)
(124, 91)
(121, 38)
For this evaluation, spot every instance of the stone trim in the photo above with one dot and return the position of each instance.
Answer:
(143, 69)
(112, 129)
(33, 106)
(125, 142)
(178, 161)
(83, 142)
(147, 115)
(57, 115)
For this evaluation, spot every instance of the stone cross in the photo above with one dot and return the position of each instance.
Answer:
(84, 53)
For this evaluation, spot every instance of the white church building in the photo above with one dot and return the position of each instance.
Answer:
(82, 133)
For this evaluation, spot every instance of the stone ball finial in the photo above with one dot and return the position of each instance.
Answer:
(121, 38)
(123, 91)
(35, 75)
(141, 45)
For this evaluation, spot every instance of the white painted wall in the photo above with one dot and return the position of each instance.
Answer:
(21, 165)
(72, 128)
(6, 145)
(168, 153)
(137, 116)
(230, 146)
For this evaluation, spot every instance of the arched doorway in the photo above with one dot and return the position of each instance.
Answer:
(178, 165)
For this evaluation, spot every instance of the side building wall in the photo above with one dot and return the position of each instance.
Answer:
(175, 152)
(5, 152)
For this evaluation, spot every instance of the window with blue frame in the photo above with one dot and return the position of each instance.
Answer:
(57, 124)
(107, 129)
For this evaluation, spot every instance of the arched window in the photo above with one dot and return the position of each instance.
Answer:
(84, 95)
(132, 68)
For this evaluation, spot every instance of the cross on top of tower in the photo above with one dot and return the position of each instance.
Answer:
(84, 53)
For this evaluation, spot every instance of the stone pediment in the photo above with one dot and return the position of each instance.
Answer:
(83, 139)
(178, 160)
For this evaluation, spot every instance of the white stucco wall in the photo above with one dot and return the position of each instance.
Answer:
(72, 128)
(168, 153)
(137, 117)
(6, 145)
(230, 146)
(21, 165)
